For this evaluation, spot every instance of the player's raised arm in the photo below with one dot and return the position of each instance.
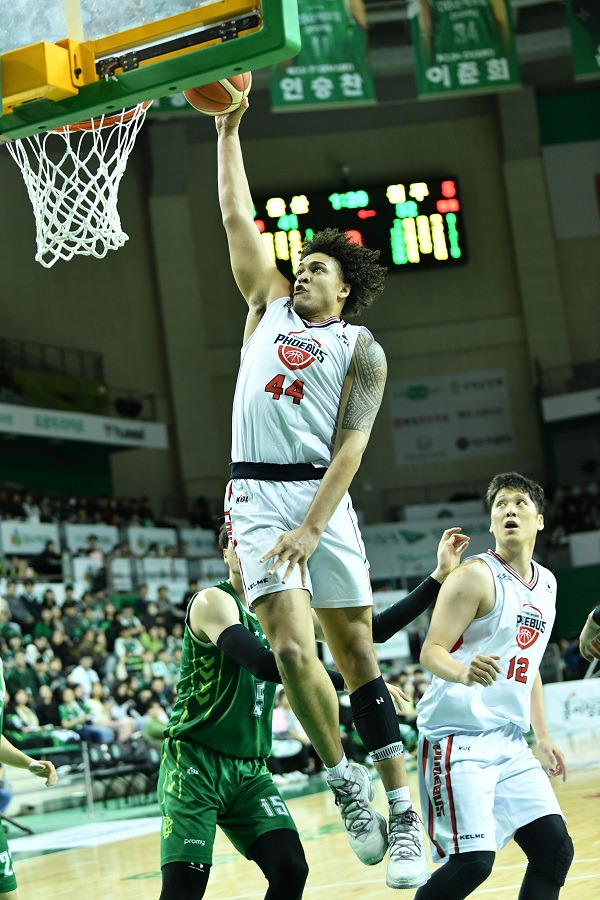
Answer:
(467, 593)
(258, 279)
(396, 617)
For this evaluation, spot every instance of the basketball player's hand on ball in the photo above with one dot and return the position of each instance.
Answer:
(43, 768)
(558, 765)
(481, 670)
(294, 548)
(450, 548)
(230, 121)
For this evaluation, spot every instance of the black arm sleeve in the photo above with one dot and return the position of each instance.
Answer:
(596, 615)
(398, 616)
(245, 649)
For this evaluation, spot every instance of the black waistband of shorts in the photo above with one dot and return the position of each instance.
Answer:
(275, 472)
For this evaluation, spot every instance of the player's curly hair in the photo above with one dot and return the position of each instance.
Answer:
(358, 265)
(514, 480)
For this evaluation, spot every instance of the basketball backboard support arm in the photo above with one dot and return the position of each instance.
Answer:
(215, 40)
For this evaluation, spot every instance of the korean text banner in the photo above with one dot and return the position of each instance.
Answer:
(444, 417)
(584, 25)
(333, 67)
(462, 46)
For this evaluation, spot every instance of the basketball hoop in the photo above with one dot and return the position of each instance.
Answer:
(72, 175)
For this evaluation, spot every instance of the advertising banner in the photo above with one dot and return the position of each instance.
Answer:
(402, 549)
(85, 571)
(445, 417)
(199, 541)
(76, 537)
(26, 538)
(52, 423)
(141, 539)
(573, 704)
(159, 569)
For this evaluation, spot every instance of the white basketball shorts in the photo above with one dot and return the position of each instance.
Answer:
(257, 512)
(477, 789)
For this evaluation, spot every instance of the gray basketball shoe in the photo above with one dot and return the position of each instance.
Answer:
(366, 829)
(407, 863)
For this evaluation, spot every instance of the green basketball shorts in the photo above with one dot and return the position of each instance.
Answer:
(199, 789)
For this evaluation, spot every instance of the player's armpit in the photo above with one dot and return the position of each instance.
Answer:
(368, 373)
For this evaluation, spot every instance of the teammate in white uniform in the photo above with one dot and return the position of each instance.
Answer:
(308, 391)
(480, 783)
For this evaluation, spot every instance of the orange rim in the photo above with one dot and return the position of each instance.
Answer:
(103, 121)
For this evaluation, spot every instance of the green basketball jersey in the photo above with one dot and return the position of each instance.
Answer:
(469, 26)
(219, 703)
(331, 36)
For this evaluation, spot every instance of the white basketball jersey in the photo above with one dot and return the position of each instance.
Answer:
(517, 629)
(289, 386)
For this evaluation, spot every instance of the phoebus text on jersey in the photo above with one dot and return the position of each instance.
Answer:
(297, 350)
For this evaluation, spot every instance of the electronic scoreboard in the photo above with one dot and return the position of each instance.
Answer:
(415, 224)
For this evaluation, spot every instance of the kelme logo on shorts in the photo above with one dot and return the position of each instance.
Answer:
(298, 349)
(167, 827)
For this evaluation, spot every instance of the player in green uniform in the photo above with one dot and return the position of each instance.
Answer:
(213, 768)
(213, 759)
(43, 768)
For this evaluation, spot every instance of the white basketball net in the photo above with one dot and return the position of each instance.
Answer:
(72, 177)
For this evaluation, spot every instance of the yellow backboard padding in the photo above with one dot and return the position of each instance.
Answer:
(81, 61)
(38, 70)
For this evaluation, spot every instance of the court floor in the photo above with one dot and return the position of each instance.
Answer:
(118, 859)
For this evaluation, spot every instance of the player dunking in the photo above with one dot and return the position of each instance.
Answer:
(308, 390)
(480, 783)
(212, 767)
(43, 768)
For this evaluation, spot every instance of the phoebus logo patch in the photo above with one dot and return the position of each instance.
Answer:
(530, 624)
(298, 349)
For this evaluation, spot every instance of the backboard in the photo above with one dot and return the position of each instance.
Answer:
(68, 60)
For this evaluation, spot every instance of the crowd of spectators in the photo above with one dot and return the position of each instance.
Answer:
(570, 510)
(90, 669)
(22, 505)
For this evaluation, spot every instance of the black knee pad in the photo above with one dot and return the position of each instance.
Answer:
(548, 847)
(459, 877)
(564, 858)
(376, 720)
(184, 880)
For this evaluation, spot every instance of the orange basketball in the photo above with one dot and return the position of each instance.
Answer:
(220, 97)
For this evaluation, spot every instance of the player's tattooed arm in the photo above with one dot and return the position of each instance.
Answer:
(368, 371)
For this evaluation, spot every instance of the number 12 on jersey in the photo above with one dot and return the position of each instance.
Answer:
(276, 387)
(517, 669)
